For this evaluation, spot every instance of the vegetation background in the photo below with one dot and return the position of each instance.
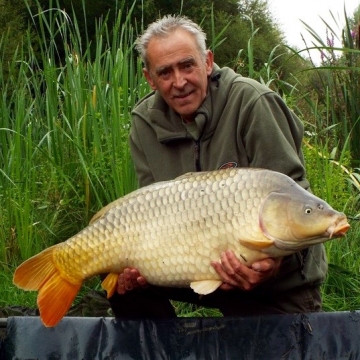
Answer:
(69, 77)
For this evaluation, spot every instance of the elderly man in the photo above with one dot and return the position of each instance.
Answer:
(201, 117)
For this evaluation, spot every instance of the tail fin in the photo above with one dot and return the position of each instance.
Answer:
(55, 293)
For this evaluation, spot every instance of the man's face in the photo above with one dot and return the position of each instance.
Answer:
(179, 72)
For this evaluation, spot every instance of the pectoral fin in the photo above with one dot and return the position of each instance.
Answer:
(109, 284)
(205, 287)
(256, 245)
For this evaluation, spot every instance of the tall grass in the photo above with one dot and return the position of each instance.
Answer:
(65, 120)
(338, 76)
(331, 177)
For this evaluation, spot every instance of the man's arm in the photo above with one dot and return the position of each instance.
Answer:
(142, 168)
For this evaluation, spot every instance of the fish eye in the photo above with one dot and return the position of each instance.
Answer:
(307, 210)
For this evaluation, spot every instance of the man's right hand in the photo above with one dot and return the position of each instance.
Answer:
(130, 279)
(235, 274)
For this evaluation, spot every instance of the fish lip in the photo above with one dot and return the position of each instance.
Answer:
(339, 229)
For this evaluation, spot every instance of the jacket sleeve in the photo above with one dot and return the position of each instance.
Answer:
(272, 137)
(142, 168)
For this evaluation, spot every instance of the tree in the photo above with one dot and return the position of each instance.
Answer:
(227, 24)
(13, 25)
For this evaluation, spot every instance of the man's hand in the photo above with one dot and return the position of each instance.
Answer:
(130, 279)
(234, 274)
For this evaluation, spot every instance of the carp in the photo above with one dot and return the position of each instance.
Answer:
(171, 231)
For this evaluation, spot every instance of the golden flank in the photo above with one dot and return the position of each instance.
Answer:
(171, 231)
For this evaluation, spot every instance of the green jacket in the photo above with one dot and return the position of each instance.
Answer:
(241, 123)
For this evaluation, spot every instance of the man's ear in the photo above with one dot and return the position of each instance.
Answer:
(149, 79)
(209, 62)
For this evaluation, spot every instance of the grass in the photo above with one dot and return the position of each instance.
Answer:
(10, 295)
(341, 290)
(64, 134)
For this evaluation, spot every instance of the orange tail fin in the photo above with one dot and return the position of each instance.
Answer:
(55, 293)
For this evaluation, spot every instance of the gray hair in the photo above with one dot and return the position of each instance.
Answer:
(163, 27)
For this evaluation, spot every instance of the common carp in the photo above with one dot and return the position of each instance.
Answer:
(171, 231)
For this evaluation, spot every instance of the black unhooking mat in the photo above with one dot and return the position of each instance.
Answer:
(301, 336)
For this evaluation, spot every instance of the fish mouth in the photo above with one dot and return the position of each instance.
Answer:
(338, 229)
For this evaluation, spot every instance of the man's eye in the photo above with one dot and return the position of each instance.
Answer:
(188, 66)
(164, 74)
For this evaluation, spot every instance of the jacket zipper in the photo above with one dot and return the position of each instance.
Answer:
(197, 155)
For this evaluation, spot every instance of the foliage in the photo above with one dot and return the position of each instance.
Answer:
(328, 173)
(11, 295)
(341, 290)
(226, 36)
(192, 310)
(64, 150)
(12, 28)
(332, 155)
(335, 86)
(332, 178)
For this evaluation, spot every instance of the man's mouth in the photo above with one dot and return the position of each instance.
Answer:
(182, 96)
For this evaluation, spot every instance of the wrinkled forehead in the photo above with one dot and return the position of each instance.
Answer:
(176, 40)
(172, 48)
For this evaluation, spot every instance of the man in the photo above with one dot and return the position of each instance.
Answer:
(200, 117)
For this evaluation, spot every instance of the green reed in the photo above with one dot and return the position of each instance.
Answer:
(64, 134)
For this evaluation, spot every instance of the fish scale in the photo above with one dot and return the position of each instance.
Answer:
(155, 232)
(171, 232)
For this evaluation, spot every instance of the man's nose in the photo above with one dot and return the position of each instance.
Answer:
(179, 79)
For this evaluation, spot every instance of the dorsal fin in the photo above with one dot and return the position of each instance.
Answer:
(256, 245)
(186, 176)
